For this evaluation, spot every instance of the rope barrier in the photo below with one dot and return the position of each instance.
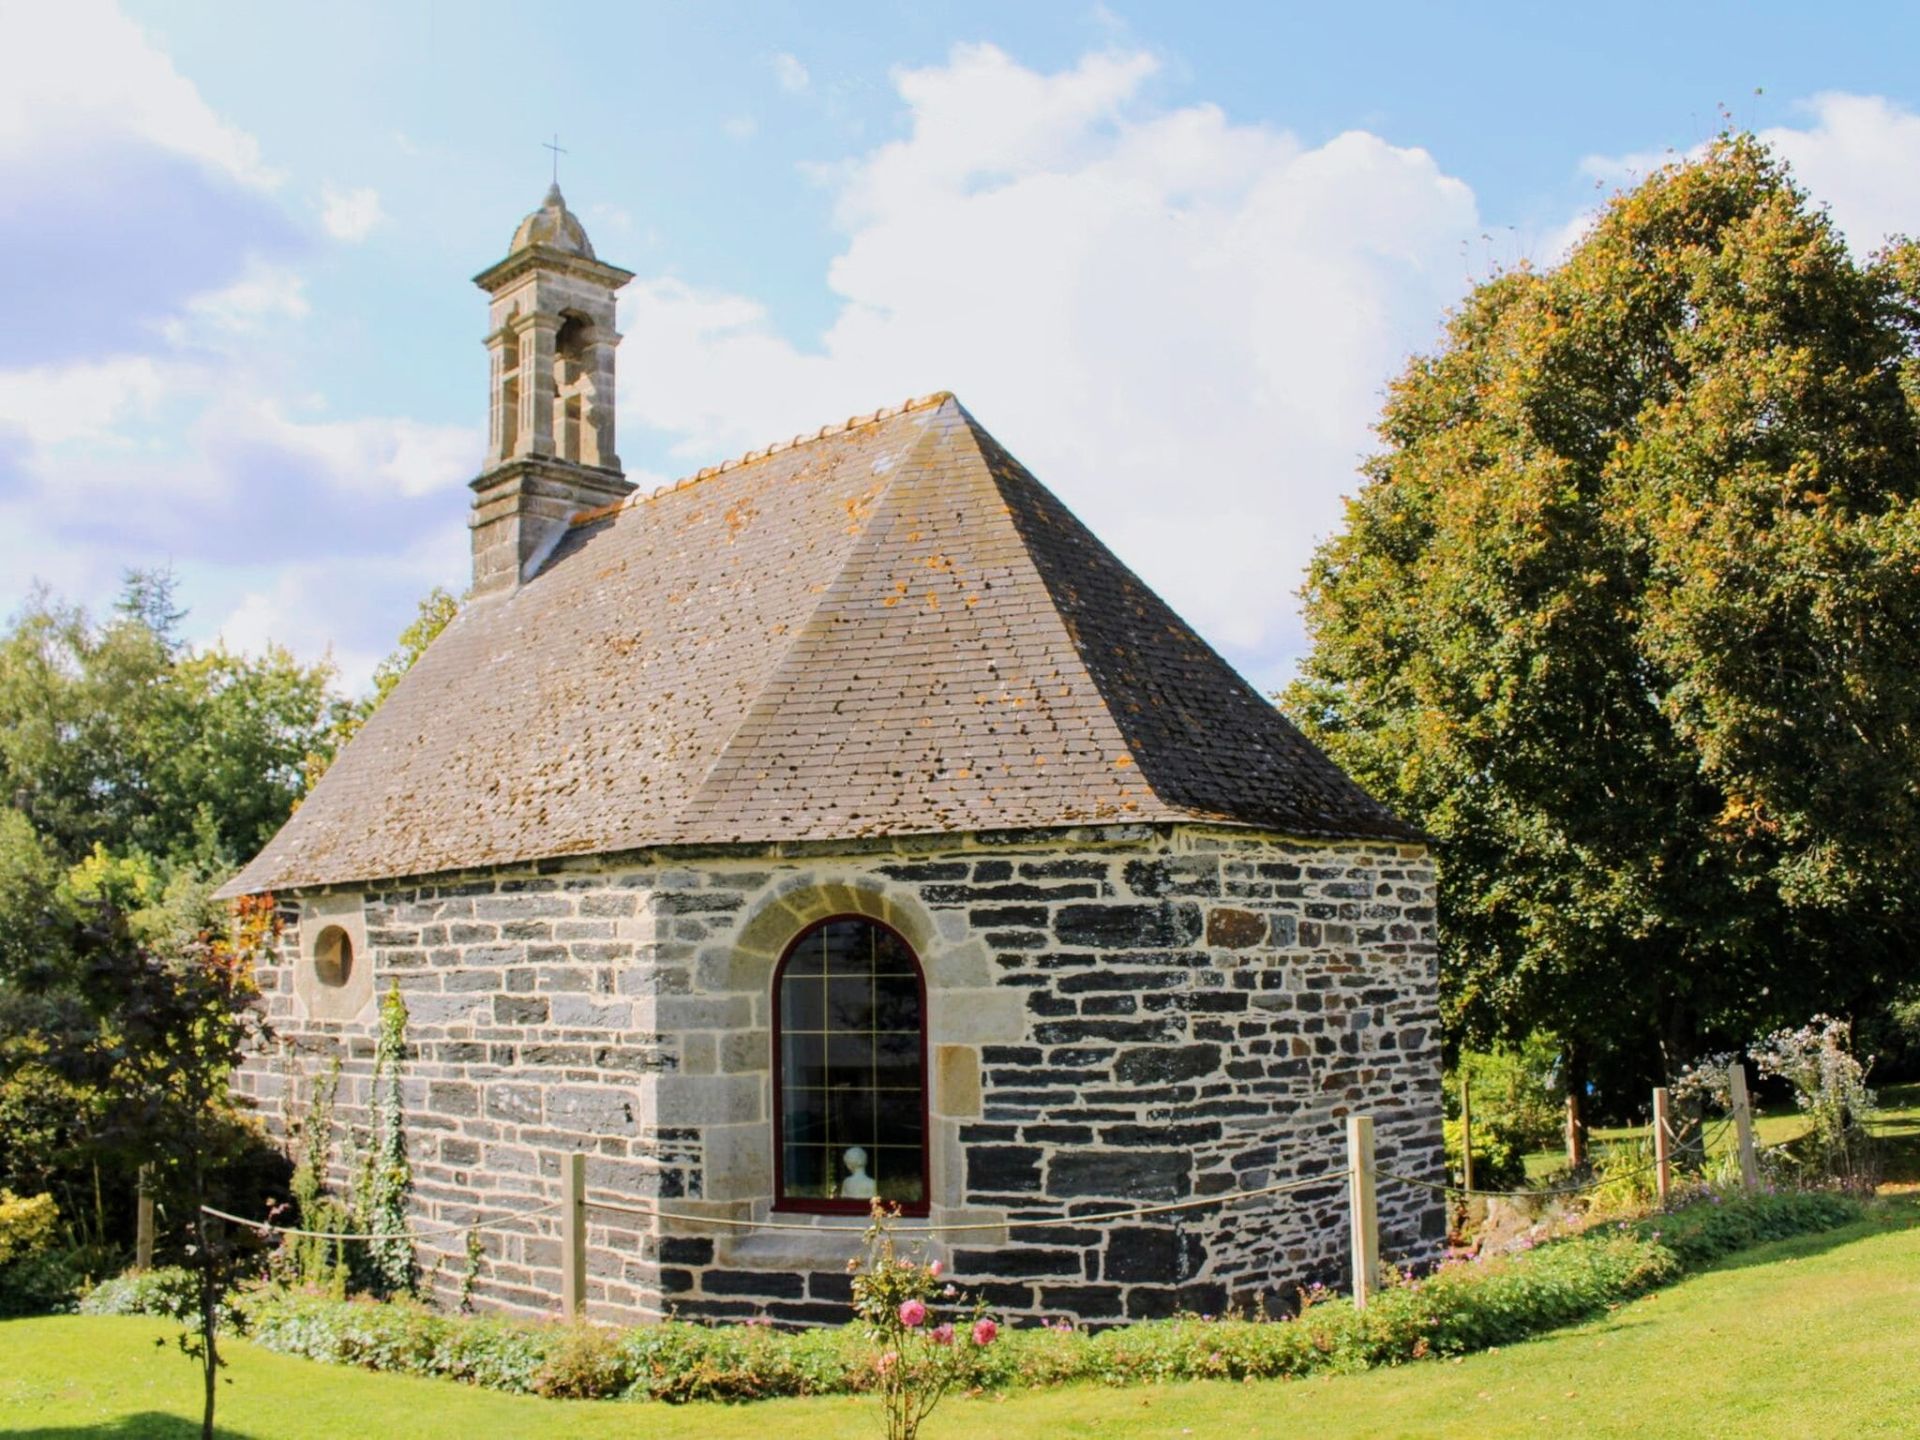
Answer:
(682, 1217)
(1553, 1194)
(266, 1225)
(1050, 1222)
(1678, 1133)
(688, 1218)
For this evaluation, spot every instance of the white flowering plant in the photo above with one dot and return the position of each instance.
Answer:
(1830, 1085)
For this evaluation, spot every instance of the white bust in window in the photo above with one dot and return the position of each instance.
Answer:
(858, 1185)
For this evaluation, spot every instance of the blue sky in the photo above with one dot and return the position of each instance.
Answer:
(1170, 254)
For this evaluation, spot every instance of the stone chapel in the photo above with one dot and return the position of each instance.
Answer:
(844, 820)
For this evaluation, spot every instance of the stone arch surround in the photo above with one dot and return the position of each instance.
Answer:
(963, 1009)
(789, 906)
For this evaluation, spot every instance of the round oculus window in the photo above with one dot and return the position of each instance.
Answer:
(333, 957)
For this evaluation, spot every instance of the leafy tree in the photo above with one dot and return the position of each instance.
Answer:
(135, 772)
(172, 1025)
(1624, 615)
(115, 734)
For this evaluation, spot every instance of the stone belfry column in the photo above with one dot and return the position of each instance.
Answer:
(600, 411)
(536, 387)
(529, 491)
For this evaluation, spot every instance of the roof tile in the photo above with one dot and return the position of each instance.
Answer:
(890, 620)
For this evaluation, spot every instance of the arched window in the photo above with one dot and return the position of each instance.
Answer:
(850, 1043)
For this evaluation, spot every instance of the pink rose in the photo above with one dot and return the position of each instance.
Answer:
(885, 1362)
(984, 1332)
(913, 1314)
(941, 1334)
(935, 1268)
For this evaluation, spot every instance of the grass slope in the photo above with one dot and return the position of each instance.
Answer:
(1808, 1337)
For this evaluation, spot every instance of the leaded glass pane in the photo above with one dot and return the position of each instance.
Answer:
(851, 1066)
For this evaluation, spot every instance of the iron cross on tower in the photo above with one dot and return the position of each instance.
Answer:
(557, 153)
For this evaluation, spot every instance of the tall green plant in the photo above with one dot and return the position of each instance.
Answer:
(316, 1259)
(389, 1183)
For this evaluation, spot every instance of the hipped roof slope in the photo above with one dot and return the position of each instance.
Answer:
(892, 629)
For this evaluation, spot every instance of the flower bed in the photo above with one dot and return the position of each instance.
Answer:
(1461, 1307)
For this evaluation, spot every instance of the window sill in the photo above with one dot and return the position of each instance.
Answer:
(794, 1249)
(839, 1211)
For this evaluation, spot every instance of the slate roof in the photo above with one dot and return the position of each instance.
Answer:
(887, 629)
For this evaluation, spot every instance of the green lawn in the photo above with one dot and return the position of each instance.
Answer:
(1897, 1124)
(1809, 1337)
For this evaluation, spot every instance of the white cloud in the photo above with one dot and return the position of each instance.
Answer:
(264, 293)
(790, 74)
(183, 433)
(80, 69)
(308, 606)
(55, 405)
(1858, 158)
(1182, 324)
(371, 456)
(350, 215)
(1855, 157)
(740, 127)
(224, 463)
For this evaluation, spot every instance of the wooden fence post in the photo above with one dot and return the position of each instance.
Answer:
(1365, 1210)
(143, 1221)
(1743, 1124)
(1662, 1145)
(573, 1234)
(1466, 1132)
(1576, 1134)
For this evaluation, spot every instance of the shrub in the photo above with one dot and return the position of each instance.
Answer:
(1718, 1225)
(42, 1284)
(1517, 1092)
(35, 1277)
(1461, 1307)
(1499, 1162)
(26, 1225)
(1830, 1086)
(1625, 1181)
(171, 1293)
(583, 1362)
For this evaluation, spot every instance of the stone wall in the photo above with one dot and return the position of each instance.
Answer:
(1115, 1017)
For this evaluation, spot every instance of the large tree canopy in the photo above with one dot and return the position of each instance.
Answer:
(114, 733)
(135, 773)
(1627, 615)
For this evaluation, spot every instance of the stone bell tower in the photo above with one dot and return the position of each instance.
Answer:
(550, 447)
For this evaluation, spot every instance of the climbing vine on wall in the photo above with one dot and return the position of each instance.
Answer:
(315, 1260)
(386, 1183)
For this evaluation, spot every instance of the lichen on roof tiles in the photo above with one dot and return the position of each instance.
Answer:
(728, 659)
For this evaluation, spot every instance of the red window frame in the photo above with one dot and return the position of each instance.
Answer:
(812, 1205)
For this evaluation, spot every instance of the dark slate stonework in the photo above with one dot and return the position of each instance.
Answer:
(1117, 1018)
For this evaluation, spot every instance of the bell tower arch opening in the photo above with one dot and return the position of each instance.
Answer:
(573, 388)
